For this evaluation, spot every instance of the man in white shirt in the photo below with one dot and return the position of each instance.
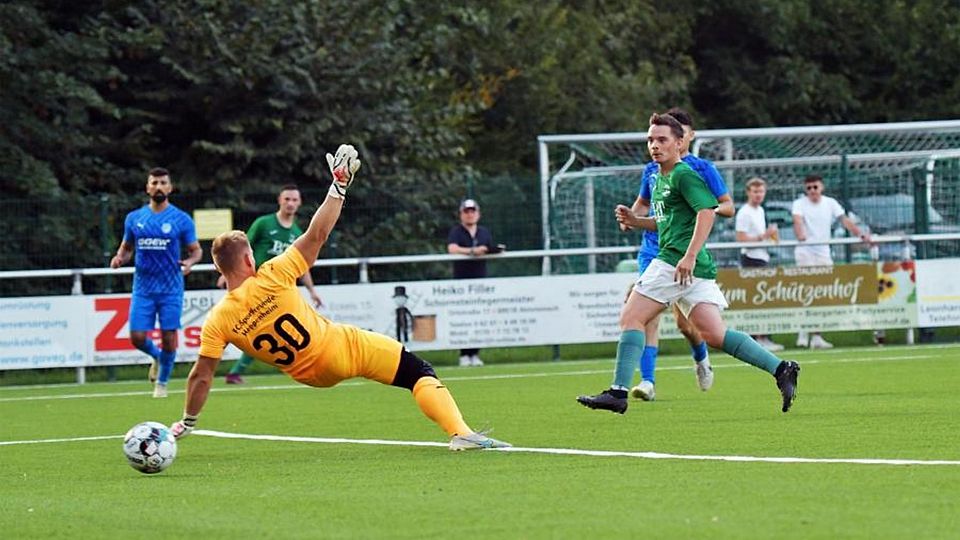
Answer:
(813, 218)
(751, 225)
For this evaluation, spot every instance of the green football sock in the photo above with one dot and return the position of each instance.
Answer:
(744, 348)
(629, 350)
(241, 365)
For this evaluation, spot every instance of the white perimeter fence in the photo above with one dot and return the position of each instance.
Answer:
(86, 330)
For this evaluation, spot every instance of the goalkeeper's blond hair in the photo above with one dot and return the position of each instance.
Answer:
(228, 248)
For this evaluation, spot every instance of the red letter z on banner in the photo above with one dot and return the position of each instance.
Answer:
(107, 339)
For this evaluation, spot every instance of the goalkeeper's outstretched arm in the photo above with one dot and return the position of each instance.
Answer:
(343, 168)
(198, 388)
(310, 242)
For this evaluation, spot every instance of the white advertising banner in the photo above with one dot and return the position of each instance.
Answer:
(43, 332)
(498, 312)
(93, 330)
(938, 293)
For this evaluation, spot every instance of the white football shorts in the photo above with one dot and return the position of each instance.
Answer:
(657, 284)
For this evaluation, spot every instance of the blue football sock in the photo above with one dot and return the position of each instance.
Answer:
(150, 348)
(744, 348)
(699, 351)
(167, 358)
(648, 363)
(629, 350)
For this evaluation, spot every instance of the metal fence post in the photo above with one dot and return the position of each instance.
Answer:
(921, 217)
(364, 271)
(78, 290)
(105, 238)
(845, 197)
(590, 224)
(470, 194)
(545, 202)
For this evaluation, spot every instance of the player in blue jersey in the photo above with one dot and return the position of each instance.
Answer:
(650, 247)
(156, 232)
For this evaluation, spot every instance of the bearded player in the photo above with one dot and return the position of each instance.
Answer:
(264, 315)
(156, 232)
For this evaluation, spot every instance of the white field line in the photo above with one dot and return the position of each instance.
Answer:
(577, 452)
(523, 450)
(500, 376)
(73, 439)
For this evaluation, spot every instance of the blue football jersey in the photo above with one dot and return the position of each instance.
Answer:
(650, 246)
(157, 239)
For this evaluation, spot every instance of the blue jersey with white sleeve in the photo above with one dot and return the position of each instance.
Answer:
(157, 239)
(650, 246)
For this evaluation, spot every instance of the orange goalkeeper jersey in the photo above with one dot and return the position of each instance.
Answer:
(267, 318)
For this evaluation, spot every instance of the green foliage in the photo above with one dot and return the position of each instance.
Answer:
(794, 62)
(239, 97)
(49, 77)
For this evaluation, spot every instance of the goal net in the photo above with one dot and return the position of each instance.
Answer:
(895, 178)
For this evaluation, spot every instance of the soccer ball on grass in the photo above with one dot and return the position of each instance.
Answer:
(150, 447)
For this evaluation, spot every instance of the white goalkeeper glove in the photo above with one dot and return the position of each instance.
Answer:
(343, 166)
(184, 426)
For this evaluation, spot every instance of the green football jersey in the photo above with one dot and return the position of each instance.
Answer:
(677, 197)
(269, 238)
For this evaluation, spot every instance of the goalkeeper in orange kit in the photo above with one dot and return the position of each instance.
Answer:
(264, 315)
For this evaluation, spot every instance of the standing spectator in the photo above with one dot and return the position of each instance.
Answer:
(813, 218)
(469, 238)
(752, 226)
(155, 232)
(269, 236)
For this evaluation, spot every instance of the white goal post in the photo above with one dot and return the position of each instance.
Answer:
(581, 175)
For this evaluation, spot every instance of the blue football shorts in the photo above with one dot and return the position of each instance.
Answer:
(146, 308)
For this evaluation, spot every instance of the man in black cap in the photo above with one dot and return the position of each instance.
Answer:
(469, 238)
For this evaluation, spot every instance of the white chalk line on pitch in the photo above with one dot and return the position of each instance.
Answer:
(578, 452)
(500, 376)
(524, 450)
(72, 439)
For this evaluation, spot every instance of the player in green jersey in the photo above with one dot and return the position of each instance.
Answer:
(683, 273)
(269, 236)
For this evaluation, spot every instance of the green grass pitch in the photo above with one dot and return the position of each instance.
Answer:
(896, 403)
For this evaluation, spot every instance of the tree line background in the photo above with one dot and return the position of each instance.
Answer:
(442, 98)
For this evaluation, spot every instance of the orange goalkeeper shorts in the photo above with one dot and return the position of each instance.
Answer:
(347, 352)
